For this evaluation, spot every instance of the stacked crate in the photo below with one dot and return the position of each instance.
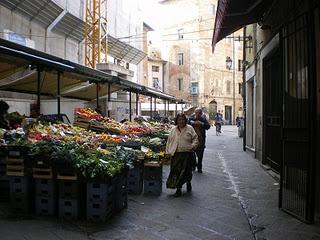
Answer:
(4, 181)
(152, 178)
(20, 181)
(70, 195)
(135, 177)
(81, 121)
(46, 189)
(100, 200)
(121, 196)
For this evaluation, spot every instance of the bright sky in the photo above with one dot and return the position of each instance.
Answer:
(153, 16)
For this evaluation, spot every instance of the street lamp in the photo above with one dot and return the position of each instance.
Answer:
(228, 63)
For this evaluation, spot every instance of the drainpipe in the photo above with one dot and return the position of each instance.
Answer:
(244, 89)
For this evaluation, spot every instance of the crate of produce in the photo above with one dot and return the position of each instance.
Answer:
(81, 118)
(43, 173)
(69, 208)
(15, 167)
(67, 173)
(152, 187)
(100, 200)
(152, 171)
(82, 124)
(46, 206)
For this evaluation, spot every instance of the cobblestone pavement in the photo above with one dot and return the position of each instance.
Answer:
(234, 198)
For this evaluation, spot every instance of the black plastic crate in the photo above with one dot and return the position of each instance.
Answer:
(17, 151)
(69, 189)
(3, 169)
(100, 211)
(135, 172)
(46, 187)
(121, 200)
(4, 190)
(152, 173)
(152, 187)
(69, 208)
(100, 191)
(21, 203)
(46, 206)
(20, 185)
(135, 186)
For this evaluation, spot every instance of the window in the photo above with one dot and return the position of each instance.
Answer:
(212, 9)
(156, 83)
(194, 88)
(180, 58)
(155, 68)
(180, 33)
(240, 88)
(180, 84)
(240, 65)
(228, 87)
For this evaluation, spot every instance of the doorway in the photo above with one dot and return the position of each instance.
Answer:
(228, 115)
(212, 109)
(299, 142)
(272, 108)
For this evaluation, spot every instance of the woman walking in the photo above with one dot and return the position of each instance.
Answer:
(181, 144)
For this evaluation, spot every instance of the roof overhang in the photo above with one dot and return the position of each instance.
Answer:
(41, 11)
(154, 93)
(124, 51)
(234, 14)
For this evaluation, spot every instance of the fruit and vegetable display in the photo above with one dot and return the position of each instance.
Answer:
(92, 154)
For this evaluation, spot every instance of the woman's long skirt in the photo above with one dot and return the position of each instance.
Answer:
(180, 169)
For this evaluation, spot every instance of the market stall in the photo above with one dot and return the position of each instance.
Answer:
(44, 156)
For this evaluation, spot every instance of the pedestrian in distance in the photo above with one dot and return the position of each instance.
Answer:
(200, 124)
(181, 144)
(218, 120)
(4, 123)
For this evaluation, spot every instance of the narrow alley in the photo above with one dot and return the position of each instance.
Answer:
(234, 198)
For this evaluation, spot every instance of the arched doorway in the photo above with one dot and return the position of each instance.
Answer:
(213, 106)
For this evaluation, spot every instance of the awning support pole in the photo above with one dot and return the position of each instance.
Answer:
(176, 109)
(155, 107)
(109, 99)
(97, 90)
(165, 108)
(150, 107)
(38, 90)
(58, 94)
(130, 106)
(137, 104)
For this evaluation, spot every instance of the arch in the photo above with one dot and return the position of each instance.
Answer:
(213, 107)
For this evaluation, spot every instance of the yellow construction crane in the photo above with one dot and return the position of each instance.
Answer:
(96, 32)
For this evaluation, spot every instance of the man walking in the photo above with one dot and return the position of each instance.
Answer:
(200, 125)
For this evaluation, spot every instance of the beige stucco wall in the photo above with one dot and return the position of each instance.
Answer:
(200, 64)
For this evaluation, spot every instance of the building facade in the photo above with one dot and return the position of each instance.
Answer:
(282, 98)
(195, 74)
(57, 27)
